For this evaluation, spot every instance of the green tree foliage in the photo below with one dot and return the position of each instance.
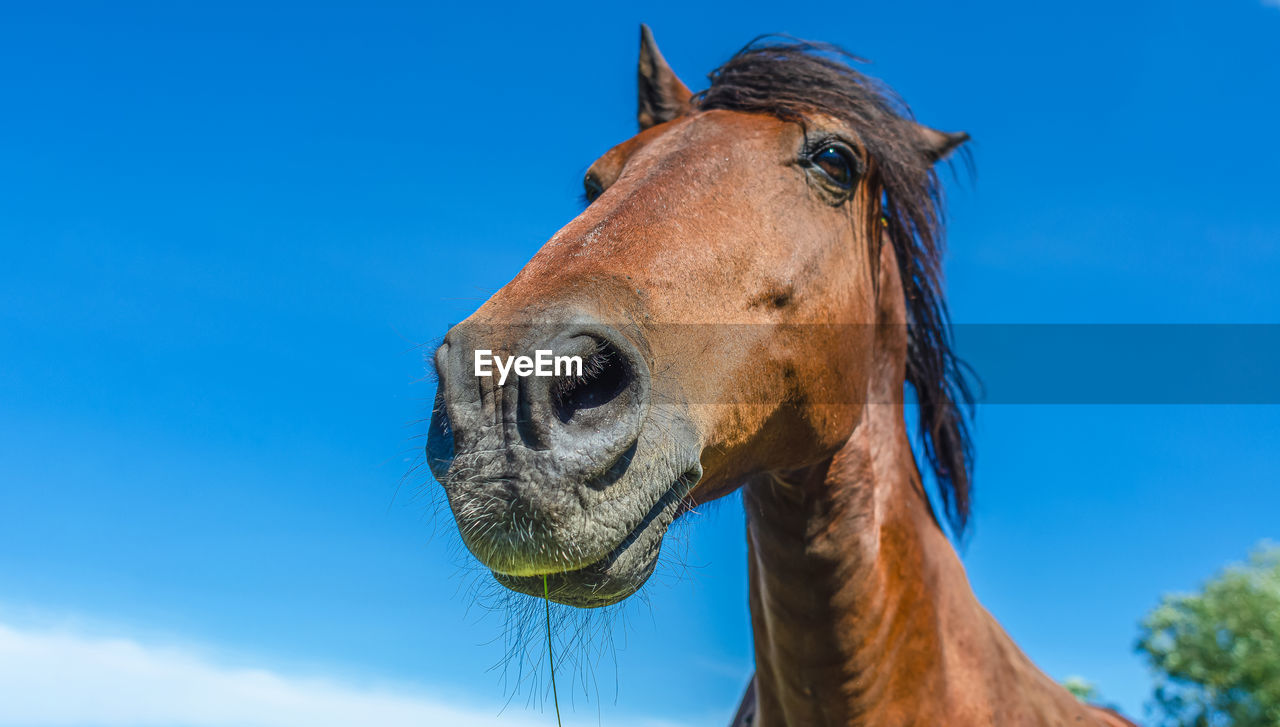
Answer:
(1217, 653)
(1085, 691)
(1081, 688)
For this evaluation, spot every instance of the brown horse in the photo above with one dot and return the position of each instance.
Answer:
(754, 282)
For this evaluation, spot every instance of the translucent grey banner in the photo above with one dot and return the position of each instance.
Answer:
(1007, 363)
(1123, 364)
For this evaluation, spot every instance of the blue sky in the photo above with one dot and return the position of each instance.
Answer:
(230, 232)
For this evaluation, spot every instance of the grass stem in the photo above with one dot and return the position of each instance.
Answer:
(551, 654)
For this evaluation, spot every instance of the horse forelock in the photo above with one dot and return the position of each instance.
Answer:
(793, 80)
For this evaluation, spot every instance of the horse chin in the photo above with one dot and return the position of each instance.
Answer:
(585, 536)
(623, 570)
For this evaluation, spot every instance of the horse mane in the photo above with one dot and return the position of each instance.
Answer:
(792, 79)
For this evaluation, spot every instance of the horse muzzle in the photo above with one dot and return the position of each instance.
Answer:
(573, 472)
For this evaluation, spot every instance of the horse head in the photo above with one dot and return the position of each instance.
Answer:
(753, 268)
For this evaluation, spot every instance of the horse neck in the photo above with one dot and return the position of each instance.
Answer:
(831, 609)
(861, 610)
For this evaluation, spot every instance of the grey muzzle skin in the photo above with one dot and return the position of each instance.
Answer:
(572, 477)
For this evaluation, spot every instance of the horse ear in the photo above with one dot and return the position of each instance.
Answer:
(936, 145)
(662, 96)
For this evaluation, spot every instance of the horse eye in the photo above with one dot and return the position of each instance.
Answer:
(837, 163)
(591, 188)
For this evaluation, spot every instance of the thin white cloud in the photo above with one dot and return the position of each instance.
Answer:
(1271, 3)
(62, 678)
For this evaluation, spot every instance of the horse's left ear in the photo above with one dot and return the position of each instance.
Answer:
(935, 144)
(662, 96)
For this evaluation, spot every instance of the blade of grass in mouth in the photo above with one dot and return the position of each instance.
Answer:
(551, 655)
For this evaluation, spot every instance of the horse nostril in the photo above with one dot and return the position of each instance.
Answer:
(605, 375)
(440, 444)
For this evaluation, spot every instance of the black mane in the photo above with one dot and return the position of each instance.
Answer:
(793, 79)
